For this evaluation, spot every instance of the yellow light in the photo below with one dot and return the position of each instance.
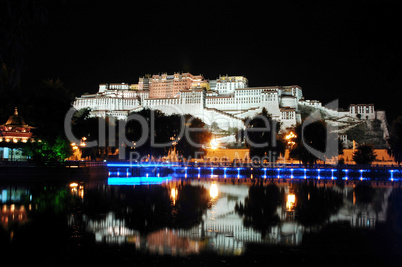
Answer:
(73, 185)
(290, 203)
(173, 195)
(213, 191)
(81, 191)
(214, 144)
(290, 135)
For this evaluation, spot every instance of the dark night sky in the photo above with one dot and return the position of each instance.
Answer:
(347, 50)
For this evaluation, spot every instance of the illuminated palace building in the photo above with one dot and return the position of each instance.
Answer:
(228, 100)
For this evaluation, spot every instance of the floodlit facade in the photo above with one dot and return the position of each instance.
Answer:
(228, 100)
(169, 86)
(228, 84)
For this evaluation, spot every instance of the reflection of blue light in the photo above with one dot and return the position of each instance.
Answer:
(346, 177)
(142, 164)
(137, 180)
(243, 172)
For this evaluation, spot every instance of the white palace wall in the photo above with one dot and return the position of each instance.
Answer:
(227, 110)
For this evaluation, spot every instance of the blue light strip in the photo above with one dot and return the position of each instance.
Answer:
(143, 180)
(125, 170)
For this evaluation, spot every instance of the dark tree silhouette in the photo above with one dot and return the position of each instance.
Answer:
(260, 206)
(316, 204)
(47, 107)
(191, 204)
(364, 154)
(315, 136)
(395, 140)
(195, 137)
(364, 193)
(261, 135)
(186, 133)
(90, 127)
(20, 24)
(149, 208)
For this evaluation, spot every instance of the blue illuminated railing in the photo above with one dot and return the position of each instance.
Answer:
(138, 180)
(127, 170)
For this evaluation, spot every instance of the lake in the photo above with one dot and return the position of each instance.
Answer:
(202, 221)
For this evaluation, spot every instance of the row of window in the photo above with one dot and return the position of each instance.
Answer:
(119, 86)
(269, 97)
(362, 109)
(232, 100)
(287, 115)
(105, 102)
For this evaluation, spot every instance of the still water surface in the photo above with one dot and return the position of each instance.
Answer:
(190, 217)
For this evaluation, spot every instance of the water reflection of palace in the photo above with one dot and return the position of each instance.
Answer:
(360, 215)
(223, 230)
(108, 229)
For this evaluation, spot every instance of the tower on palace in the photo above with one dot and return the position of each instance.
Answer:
(169, 85)
(227, 84)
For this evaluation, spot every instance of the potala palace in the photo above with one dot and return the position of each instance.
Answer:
(227, 101)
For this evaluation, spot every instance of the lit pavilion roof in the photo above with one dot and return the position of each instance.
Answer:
(16, 120)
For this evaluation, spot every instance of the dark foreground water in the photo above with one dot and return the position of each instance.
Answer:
(200, 222)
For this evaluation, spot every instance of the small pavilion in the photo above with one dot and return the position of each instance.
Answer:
(14, 134)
